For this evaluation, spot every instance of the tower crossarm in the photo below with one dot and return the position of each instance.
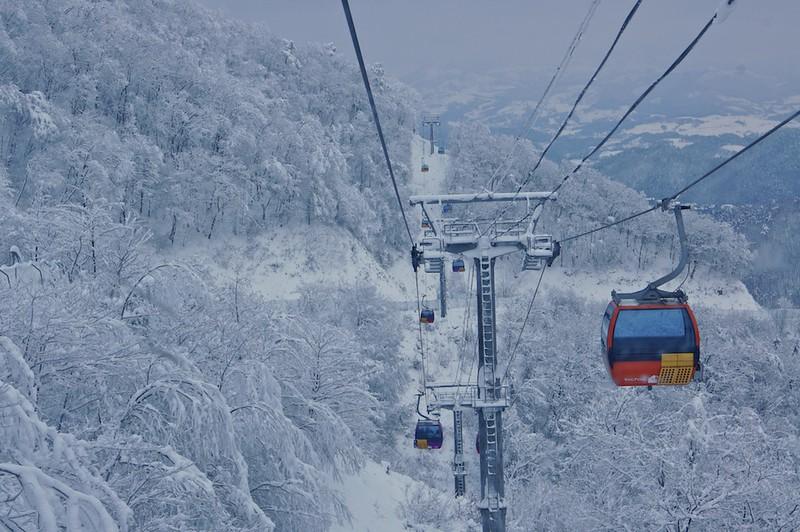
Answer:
(480, 197)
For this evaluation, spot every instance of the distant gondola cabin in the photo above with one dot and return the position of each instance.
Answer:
(428, 434)
(425, 167)
(458, 265)
(650, 343)
(426, 316)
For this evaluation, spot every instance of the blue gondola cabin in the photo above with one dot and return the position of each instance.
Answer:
(426, 316)
(428, 434)
(458, 265)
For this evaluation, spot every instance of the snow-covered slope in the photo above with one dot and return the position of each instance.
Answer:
(373, 496)
(279, 263)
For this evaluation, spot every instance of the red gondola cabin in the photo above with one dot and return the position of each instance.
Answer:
(652, 343)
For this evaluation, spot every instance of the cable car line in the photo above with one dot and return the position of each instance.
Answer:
(686, 51)
(530, 122)
(524, 324)
(376, 118)
(737, 154)
(697, 181)
(421, 342)
(639, 100)
(578, 100)
(617, 222)
(583, 92)
(354, 37)
(463, 350)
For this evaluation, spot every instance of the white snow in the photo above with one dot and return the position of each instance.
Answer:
(679, 143)
(281, 262)
(732, 147)
(373, 497)
(707, 126)
(15, 371)
(432, 181)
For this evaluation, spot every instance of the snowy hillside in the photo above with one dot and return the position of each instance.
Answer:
(157, 164)
(210, 320)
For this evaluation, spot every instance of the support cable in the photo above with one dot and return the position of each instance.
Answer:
(530, 122)
(686, 51)
(583, 91)
(578, 100)
(737, 154)
(466, 323)
(354, 37)
(612, 224)
(421, 342)
(365, 78)
(524, 324)
(697, 181)
(639, 100)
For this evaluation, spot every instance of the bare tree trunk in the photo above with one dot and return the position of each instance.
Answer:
(173, 229)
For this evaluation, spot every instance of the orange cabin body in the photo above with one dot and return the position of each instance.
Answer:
(650, 344)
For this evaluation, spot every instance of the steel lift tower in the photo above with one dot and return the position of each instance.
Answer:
(431, 121)
(483, 242)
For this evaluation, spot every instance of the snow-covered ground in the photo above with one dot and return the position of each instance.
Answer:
(281, 262)
(432, 181)
(372, 497)
(707, 126)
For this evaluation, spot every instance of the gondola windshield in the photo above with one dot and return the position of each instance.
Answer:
(652, 323)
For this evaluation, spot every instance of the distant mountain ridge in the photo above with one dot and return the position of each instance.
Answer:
(684, 128)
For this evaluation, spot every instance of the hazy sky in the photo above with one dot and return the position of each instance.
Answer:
(475, 35)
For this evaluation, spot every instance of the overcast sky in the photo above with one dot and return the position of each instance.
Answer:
(475, 35)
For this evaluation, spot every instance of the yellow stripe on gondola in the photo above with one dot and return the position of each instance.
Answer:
(422, 444)
(676, 368)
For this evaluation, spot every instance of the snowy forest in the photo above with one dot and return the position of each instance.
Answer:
(208, 318)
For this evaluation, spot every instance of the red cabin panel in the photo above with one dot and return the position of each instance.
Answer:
(653, 368)
(636, 373)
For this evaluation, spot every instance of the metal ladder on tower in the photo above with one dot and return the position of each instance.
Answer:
(487, 309)
(492, 498)
(459, 470)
